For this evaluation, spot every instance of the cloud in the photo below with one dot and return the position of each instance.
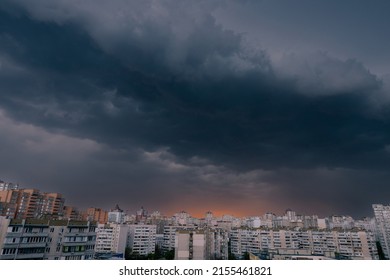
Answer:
(29, 151)
(148, 36)
(159, 97)
(231, 104)
(321, 74)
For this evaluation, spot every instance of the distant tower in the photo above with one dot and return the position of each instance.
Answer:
(382, 217)
(116, 215)
(291, 215)
(142, 214)
(209, 218)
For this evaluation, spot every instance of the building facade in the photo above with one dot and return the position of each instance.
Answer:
(350, 244)
(30, 203)
(382, 217)
(111, 238)
(142, 239)
(40, 239)
(190, 245)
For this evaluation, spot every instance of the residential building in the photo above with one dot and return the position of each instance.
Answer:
(72, 213)
(116, 215)
(111, 238)
(382, 217)
(217, 244)
(351, 244)
(142, 239)
(170, 235)
(190, 245)
(30, 203)
(96, 214)
(29, 239)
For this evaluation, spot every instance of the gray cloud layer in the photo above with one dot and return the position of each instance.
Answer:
(162, 103)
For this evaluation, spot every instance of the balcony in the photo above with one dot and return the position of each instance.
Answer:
(33, 245)
(30, 256)
(10, 245)
(75, 243)
(7, 257)
(73, 253)
(35, 234)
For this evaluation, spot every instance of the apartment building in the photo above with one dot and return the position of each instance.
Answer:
(111, 238)
(39, 239)
(217, 244)
(351, 244)
(382, 217)
(96, 214)
(142, 239)
(116, 215)
(190, 245)
(30, 203)
(169, 234)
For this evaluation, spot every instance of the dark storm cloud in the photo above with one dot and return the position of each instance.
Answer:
(159, 94)
(347, 29)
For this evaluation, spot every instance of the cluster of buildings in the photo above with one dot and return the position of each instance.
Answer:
(19, 203)
(38, 225)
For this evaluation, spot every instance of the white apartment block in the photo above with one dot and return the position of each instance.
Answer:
(40, 239)
(104, 238)
(190, 245)
(116, 215)
(181, 239)
(382, 217)
(142, 239)
(182, 219)
(170, 235)
(111, 238)
(351, 244)
(217, 244)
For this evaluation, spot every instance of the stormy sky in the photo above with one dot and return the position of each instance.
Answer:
(237, 107)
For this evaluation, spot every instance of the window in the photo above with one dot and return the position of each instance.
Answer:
(28, 229)
(9, 251)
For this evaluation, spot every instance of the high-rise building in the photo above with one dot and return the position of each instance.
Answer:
(382, 217)
(8, 186)
(8, 203)
(30, 203)
(72, 213)
(190, 245)
(96, 214)
(141, 215)
(217, 244)
(170, 235)
(116, 215)
(142, 239)
(52, 204)
(111, 238)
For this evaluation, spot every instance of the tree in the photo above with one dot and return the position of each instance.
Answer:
(170, 255)
(380, 251)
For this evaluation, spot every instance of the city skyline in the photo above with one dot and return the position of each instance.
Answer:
(55, 204)
(240, 107)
